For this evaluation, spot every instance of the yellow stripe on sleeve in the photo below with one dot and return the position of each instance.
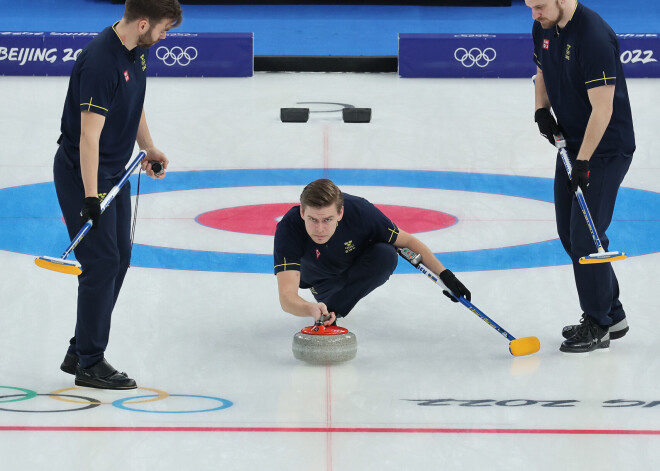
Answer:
(393, 232)
(285, 264)
(604, 79)
(90, 105)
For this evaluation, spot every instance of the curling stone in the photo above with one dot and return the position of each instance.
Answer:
(324, 344)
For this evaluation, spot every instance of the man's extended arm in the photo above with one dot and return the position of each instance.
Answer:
(287, 284)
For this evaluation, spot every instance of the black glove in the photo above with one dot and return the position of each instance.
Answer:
(455, 286)
(91, 210)
(548, 127)
(580, 176)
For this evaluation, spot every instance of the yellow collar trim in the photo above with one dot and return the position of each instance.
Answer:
(574, 9)
(113, 29)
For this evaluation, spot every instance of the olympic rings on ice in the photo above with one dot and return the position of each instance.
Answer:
(126, 403)
(29, 394)
(475, 56)
(224, 403)
(159, 397)
(91, 403)
(176, 55)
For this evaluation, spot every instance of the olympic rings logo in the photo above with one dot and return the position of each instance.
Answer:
(475, 56)
(127, 403)
(176, 55)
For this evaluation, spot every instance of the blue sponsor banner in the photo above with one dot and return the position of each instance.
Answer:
(640, 54)
(179, 55)
(504, 55)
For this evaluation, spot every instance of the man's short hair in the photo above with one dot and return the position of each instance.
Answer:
(321, 193)
(154, 10)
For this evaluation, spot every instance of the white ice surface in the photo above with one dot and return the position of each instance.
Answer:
(224, 334)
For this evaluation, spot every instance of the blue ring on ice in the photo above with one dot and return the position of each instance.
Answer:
(30, 217)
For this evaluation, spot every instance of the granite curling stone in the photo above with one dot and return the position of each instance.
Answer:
(324, 344)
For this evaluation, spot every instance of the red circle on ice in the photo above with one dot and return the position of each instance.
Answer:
(263, 218)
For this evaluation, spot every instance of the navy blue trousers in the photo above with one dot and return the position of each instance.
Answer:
(104, 255)
(597, 286)
(371, 270)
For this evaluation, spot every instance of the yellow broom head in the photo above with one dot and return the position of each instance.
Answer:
(524, 346)
(602, 257)
(59, 265)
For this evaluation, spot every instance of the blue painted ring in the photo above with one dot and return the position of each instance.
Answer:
(224, 404)
(30, 218)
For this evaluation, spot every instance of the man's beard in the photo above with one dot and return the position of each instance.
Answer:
(145, 41)
(560, 17)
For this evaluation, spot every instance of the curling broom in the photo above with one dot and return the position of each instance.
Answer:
(600, 256)
(517, 347)
(72, 267)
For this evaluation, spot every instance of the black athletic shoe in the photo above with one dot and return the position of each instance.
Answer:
(103, 376)
(588, 337)
(617, 330)
(69, 364)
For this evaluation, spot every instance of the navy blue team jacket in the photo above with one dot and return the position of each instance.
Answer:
(583, 55)
(110, 80)
(362, 225)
